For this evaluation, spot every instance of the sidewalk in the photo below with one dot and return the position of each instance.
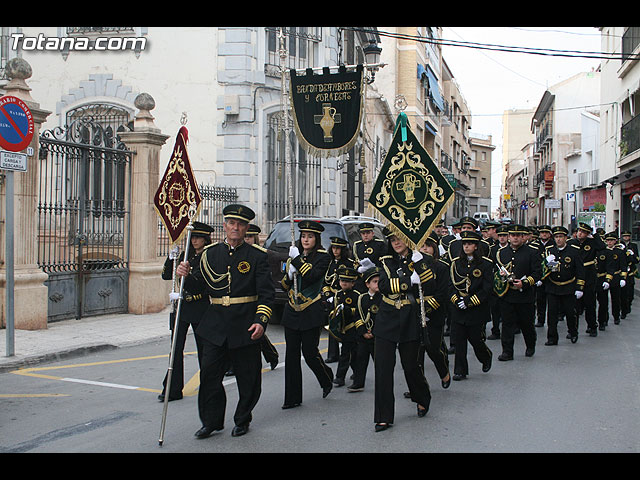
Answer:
(74, 337)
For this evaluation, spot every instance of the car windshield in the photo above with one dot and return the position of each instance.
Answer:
(281, 234)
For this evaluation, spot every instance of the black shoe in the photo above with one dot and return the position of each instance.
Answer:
(569, 336)
(406, 395)
(529, 352)
(493, 336)
(617, 322)
(287, 406)
(205, 432)
(355, 388)
(486, 366)
(382, 426)
(239, 430)
(274, 364)
(171, 399)
(504, 357)
(623, 316)
(326, 391)
(459, 376)
(422, 411)
(574, 338)
(540, 324)
(601, 328)
(331, 360)
(451, 350)
(550, 342)
(338, 382)
(593, 333)
(445, 384)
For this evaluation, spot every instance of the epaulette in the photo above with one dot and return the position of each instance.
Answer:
(262, 249)
(321, 250)
(574, 246)
(357, 241)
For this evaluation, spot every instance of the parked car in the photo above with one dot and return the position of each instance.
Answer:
(352, 224)
(278, 243)
(481, 217)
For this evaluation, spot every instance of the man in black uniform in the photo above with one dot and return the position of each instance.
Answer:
(522, 266)
(612, 273)
(544, 241)
(455, 246)
(563, 284)
(502, 233)
(191, 310)
(590, 247)
(368, 247)
(237, 278)
(626, 298)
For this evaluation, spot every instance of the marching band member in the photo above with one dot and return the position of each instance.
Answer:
(237, 278)
(545, 240)
(471, 285)
(628, 291)
(367, 308)
(563, 284)
(192, 309)
(616, 275)
(397, 328)
(304, 316)
(521, 265)
(342, 321)
(502, 233)
(339, 254)
(590, 246)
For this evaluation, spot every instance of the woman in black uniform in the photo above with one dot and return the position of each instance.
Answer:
(397, 328)
(471, 285)
(304, 315)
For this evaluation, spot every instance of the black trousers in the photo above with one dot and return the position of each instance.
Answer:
(303, 343)
(475, 335)
(385, 363)
(518, 315)
(494, 307)
(177, 374)
(625, 307)
(603, 302)
(436, 350)
(541, 303)
(212, 400)
(365, 349)
(561, 305)
(269, 352)
(348, 357)
(587, 304)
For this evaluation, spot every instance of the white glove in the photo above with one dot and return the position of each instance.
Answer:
(174, 296)
(291, 271)
(415, 278)
(605, 285)
(579, 294)
(629, 252)
(539, 283)
(366, 263)
(339, 307)
(462, 305)
(622, 283)
(293, 251)
(442, 250)
(457, 235)
(330, 300)
(416, 256)
(551, 258)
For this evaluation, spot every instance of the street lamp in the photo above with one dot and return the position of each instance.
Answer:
(372, 57)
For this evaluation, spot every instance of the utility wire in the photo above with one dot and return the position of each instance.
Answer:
(502, 48)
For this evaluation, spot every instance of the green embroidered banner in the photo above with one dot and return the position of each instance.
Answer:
(410, 191)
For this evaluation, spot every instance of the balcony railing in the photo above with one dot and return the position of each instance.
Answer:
(630, 135)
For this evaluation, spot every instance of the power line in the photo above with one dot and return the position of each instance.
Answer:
(502, 48)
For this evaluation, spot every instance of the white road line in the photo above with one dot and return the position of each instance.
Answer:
(101, 384)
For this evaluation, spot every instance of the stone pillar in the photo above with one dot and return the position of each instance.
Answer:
(30, 292)
(148, 293)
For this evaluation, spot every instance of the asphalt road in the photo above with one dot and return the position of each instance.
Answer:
(568, 398)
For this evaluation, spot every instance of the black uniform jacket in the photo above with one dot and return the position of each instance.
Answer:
(367, 308)
(590, 247)
(524, 263)
(633, 258)
(344, 318)
(569, 275)
(193, 305)
(398, 317)
(238, 282)
(471, 282)
(306, 311)
(331, 282)
(434, 278)
(372, 250)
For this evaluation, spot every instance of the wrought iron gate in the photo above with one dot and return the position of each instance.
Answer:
(83, 218)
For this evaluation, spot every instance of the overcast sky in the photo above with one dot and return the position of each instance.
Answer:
(492, 82)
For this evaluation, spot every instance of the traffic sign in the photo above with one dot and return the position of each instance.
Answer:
(16, 162)
(16, 124)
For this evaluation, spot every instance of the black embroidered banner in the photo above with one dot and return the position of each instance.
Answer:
(327, 109)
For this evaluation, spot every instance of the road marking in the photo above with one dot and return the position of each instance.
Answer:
(32, 395)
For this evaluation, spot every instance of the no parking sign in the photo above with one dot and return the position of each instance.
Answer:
(16, 124)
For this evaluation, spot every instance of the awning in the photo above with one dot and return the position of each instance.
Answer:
(434, 91)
